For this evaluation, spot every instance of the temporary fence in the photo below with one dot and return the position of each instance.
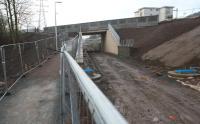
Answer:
(82, 102)
(18, 59)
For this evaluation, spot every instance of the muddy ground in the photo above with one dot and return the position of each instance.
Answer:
(143, 97)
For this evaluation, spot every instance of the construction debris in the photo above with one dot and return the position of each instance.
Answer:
(187, 77)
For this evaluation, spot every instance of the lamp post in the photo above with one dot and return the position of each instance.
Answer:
(56, 26)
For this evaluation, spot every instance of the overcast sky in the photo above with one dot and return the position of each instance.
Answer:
(77, 11)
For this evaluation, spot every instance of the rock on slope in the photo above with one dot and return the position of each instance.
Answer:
(177, 52)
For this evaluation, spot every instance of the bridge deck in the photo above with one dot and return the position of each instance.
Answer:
(35, 99)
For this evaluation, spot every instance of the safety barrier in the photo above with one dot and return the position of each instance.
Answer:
(20, 58)
(82, 102)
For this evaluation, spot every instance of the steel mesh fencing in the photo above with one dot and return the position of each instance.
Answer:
(51, 46)
(18, 59)
(12, 62)
(29, 55)
(42, 49)
(1, 69)
(75, 107)
(74, 46)
(82, 102)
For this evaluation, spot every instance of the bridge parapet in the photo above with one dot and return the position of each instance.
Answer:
(116, 23)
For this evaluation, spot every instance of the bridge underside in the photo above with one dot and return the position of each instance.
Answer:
(94, 32)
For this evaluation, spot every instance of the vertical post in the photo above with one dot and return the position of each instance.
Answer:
(21, 60)
(37, 52)
(72, 88)
(176, 13)
(56, 25)
(73, 100)
(62, 88)
(61, 82)
(47, 52)
(3, 61)
(56, 29)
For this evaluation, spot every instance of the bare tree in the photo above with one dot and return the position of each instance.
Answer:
(17, 12)
(3, 24)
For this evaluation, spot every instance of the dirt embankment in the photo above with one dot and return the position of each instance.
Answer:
(150, 37)
(179, 51)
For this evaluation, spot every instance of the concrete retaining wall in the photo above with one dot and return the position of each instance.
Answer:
(124, 51)
(110, 45)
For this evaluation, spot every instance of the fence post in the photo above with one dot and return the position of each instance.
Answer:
(72, 90)
(37, 51)
(3, 61)
(62, 88)
(73, 99)
(47, 52)
(21, 60)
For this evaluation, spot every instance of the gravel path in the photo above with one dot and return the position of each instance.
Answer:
(35, 99)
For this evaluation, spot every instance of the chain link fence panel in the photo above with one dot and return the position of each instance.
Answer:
(12, 62)
(17, 59)
(1, 69)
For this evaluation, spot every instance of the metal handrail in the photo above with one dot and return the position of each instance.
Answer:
(103, 111)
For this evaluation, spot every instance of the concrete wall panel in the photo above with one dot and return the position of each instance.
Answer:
(110, 45)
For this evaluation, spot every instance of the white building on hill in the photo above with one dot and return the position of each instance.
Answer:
(165, 13)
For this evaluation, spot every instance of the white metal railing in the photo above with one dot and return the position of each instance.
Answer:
(79, 52)
(77, 83)
(127, 43)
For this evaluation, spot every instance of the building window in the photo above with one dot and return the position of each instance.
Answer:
(167, 12)
(122, 21)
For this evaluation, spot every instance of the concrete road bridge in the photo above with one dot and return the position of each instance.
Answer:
(103, 25)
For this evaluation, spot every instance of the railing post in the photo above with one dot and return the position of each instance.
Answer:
(73, 99)
(62, 88)
(103, 111)
(47, 52)
(37, 51)
(72, 90)
(3, 61)
(21, 60)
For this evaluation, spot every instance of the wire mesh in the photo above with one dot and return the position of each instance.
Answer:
(12, 60)
(22, 57)
(82, 102)
(74, 47)
(1, 69)
(42, 49)
(29, 55)
(77, 109)
(51, 45)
